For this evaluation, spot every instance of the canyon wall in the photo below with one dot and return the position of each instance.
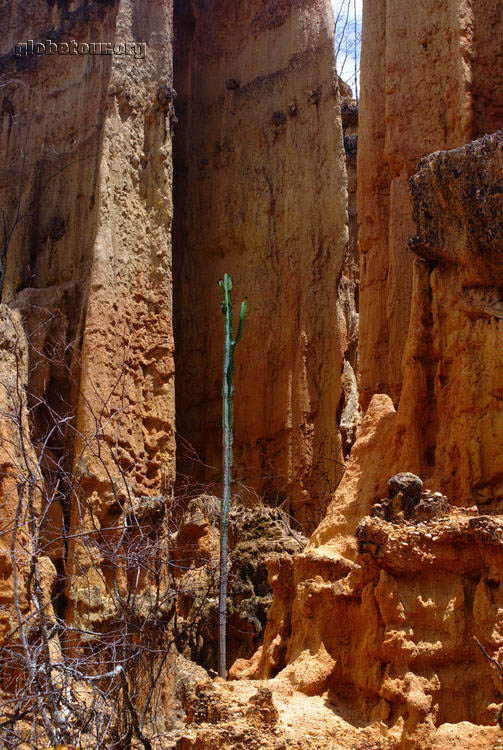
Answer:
(422, 341)
(382, 612)
(86, 195)
(260, 193)
(431, 78)
(371, 637)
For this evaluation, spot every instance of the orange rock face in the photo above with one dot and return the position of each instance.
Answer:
(449, 421)
(86, 197)
(427, 84)
(389, 597)
(88, 259)
(385, 632)
(261, 194)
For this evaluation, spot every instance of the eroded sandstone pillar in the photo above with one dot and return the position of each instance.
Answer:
(86, 197)
(431, 79)
(261, 194)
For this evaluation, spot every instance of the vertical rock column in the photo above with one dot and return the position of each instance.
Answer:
(431, 80)
(87, 204)
(260, 192)
(416, 97)
(450, 421)
(125, 450)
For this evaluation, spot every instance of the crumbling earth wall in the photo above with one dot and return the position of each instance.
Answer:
(260, 193)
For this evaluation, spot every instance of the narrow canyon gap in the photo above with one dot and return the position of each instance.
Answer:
(260, 192)
(369, 641)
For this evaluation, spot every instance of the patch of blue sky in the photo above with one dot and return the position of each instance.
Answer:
(348, 56)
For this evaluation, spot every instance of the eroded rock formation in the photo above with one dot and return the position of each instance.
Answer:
(379, 631)
(86, 191)
(86, 194)
(426, 84)
(254, 534)
(261, 194)
(396, 591)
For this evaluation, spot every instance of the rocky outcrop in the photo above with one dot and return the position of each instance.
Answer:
(255, 534)
(86, 196)
(261, 194)
(393, 634)
(87, 211)
(447, 425)
(426, 84)
(267, 716)
(388, 645)
(449, 421)
(398, 591)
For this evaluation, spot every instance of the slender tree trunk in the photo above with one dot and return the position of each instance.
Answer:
(227, 414)
(227, 429)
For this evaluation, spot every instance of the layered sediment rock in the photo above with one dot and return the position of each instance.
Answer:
(261, 194)
(427, 84)
(396, 591)
(86, 190)
(86, 196)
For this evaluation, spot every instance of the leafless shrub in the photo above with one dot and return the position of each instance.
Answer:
(83, 671)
